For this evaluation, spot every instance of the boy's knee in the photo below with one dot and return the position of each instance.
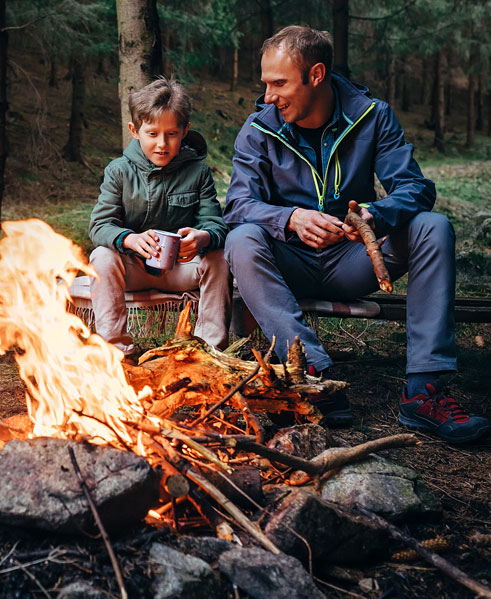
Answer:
(215, 261)
(105, 259)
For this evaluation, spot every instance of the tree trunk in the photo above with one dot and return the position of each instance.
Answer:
(390, 87)
(480, 103)
(448, 99)
(267, 19)
(489, 114)
(235, 70)
(340, 16)
(3, 101)
(73, 148)
(434, 95)
(167, 67)
(424, 82)
(471, 111)
(405, 88)
(440, 101)
(137, 49)
(53, 73)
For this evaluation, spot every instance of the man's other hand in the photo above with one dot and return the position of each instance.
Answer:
(316, 229)
(350, 232)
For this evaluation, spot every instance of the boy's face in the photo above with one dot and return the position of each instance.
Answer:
(161, 139)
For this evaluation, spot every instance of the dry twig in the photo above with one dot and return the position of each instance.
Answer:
(99, 523)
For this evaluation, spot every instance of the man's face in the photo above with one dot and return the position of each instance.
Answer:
(161, 139)
(284, 87)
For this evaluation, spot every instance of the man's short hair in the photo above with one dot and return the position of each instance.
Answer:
(305, 46)
(149, 102)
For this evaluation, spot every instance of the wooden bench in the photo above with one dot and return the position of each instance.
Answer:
(150, 312)
(156, 312)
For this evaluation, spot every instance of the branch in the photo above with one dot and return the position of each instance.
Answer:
(387, 17)
(373, 249)
(100, 526)
(433, 558)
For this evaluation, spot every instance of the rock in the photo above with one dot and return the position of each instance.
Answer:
(390, 490)
(82, 590)
(263, 575)
(40, 488)
(180, 576)
(208, 549)
(304, 440)
(335, 535)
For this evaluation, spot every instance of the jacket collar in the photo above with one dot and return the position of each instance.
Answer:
(353, 98)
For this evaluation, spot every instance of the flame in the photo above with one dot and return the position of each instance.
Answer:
(75, 382)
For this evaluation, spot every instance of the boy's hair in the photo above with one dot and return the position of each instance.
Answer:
(305, 46)
(149, 102)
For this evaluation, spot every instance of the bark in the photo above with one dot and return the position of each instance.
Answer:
(3, 102)
(448, 99)
(340, 15)
(235, 70)
(471, 98)
(405, 100)
(167, 66)
(73, 148)
(267, 19)
(373, 250)
(390, 89)
(138, 47)
(423, 95)
(480, 103)
(489, 114)
(434, 95)
(439, 142)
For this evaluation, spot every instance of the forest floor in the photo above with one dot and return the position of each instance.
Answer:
(370, 354)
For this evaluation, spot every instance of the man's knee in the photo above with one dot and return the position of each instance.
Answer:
(243, 241)
(433, 223)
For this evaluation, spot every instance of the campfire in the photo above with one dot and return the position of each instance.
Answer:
(192, 412)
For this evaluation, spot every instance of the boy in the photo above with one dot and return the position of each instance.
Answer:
(160, 182)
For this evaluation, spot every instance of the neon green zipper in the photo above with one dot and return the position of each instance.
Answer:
(321, 195)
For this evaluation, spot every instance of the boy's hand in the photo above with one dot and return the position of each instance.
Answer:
(192, 242)
(144, 244)
(350, 232)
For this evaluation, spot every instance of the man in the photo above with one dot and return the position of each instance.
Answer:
(303, 160)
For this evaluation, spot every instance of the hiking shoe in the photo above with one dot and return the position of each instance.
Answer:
(334, 408)
(442, 415)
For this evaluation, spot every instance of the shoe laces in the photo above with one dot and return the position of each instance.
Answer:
(449, 406)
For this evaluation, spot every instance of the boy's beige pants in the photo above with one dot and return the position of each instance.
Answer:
(124, 272)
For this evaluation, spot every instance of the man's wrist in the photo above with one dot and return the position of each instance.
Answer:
(289, 225)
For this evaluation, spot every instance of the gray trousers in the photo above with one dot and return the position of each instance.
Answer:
(271, 275)
(120, 272)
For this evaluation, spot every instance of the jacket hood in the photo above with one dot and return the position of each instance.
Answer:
(193, 148)
(354, 98)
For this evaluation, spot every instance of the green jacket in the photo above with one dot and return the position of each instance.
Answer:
(136, 196)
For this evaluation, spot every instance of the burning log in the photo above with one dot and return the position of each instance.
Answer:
(373, 249)
(212, 374)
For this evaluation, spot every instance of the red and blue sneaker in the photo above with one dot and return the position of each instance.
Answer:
(334, 408)
(442, 415)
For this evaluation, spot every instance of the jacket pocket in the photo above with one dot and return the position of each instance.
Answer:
(183, 200)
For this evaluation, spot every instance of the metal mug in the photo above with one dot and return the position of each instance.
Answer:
(169, 249)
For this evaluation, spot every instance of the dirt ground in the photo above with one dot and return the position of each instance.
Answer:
(370, 356)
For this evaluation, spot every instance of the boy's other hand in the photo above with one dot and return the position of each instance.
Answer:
(350, 232)
(144, 244)
(192, 242)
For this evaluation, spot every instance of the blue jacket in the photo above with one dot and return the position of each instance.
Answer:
(274, 170)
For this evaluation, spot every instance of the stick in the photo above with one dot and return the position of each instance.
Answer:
(431, 557)
(219, 403)
(250, 417)
(373, 250)
(100, 526)
(165, 448)
(319, 465)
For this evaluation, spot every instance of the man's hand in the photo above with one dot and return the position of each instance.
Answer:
(192, 242)
(350, 232)
(315, 228)
(145, 244)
